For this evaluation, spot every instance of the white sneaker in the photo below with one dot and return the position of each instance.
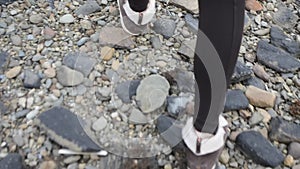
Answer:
(135, 23)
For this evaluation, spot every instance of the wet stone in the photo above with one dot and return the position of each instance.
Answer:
(165, 27)
(235, 100)
(12, 161)
(276, 58)
(284, 131)
(280, 39)
(89, 7)
(68, 130)
(241, 72)
(255, 146)
(31, 79)
(80, 61)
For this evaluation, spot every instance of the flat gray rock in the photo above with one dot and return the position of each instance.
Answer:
(284, 131)
(241, 72)
(115, 37)
(127, 89)
(165, 27)
(176, 106)
(152, 93)
(255, 146)
(12, 161)
(187, 48)
(3, 108)
(80, 61)
(156, 42)
(169, 130)
(137, 117)
(294, 150)
(254, 81)
(89, 7)
(67, 129)
(276, 58)
(285, 17)
(235, 100)
(69, 77)
(31, 79)
(6, 2)
(280, 39)
(191, 22)
(189, 5)
(184, 79)
(3, 59)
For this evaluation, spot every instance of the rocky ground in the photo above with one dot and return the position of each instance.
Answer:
(60, 60)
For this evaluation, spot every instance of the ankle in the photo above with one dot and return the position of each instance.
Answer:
(138, 5)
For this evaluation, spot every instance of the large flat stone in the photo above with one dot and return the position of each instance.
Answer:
(89, 7)
(280, 39)
(12, 161)
(284, 131)
(241, 72)
(115, 37)
(276, 58)
(67, 129)
(235, 100)
(80, 61)
(255, 146)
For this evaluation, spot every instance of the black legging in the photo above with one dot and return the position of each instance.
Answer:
(222, 22)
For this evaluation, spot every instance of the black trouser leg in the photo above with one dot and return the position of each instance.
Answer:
(222, 22)
(138, 5)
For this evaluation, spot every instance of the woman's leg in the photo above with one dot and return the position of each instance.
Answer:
(222, 22)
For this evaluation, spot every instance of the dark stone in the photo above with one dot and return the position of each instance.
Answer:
(134, 84)
(165, 27)
(3, 59)
(3, 108)
(169, 130)
(12, 161)
(285, 17)
(294, 150)
(280, 39)
(254, 81)
(184, 79)
(276, 58)
(284, 131)
(255, 146)
(67, 129)
(127, 89)
(31, 79)
(235, 100)
(89, 7)
(22, 113)
(177, 105)
(6, 2)
(192, 23)
(241, 72)
(80, 62)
